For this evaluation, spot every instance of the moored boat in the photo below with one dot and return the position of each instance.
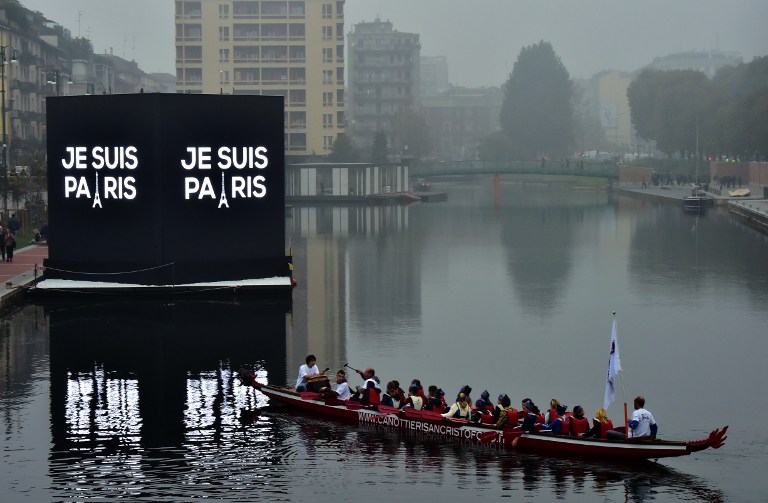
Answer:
(697, 201)
(432, 423)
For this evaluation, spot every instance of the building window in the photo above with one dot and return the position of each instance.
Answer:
(327, 76)
(327, 55)
(327, 141)
(223, 11)
(224, 33)
(327, 99)
(224, 77)
(223, 55)
(327, 32)
(327, 120)
(327, 11)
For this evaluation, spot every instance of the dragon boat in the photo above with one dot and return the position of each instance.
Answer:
(432, 423)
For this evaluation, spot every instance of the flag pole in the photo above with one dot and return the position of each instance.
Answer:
(623, 391)
(624, 396)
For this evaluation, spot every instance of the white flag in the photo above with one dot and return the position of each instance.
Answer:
(614, 367)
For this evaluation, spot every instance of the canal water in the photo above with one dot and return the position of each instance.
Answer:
(104, 399)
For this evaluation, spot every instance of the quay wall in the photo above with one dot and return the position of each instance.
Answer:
(752, 213)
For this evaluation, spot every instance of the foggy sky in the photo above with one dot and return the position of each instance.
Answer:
(480, 38)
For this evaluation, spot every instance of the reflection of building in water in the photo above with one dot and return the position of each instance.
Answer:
(330, 268)
(344, 221)
(349, 276)
(140, 374)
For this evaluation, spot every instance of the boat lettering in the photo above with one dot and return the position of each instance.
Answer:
(418, 426)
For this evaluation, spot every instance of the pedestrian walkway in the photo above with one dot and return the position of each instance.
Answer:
(678, 192)
(20, 273)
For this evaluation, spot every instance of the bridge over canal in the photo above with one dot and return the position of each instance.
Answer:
(448, 168)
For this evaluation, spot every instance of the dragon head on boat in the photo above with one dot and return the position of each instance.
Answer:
(715, 440)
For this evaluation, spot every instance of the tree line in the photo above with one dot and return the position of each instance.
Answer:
(727, 114)
(542, 114)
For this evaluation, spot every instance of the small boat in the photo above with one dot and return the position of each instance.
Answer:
(697, 201)
(431, 423)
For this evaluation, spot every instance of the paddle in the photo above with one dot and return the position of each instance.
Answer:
(356, 370)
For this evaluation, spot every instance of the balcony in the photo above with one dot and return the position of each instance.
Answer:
(247, 59)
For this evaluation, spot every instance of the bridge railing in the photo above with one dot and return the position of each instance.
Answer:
(447, 168)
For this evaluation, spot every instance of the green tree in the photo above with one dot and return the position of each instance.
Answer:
(742, 108)
(379, 149)
(343, 150)
(537, 113)
(670, 107)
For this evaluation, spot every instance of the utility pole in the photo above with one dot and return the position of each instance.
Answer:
(5, 132)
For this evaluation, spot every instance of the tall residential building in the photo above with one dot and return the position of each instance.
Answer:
(383, 79)
(290, 48)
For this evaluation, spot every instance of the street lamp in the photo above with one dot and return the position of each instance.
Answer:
(5, 132)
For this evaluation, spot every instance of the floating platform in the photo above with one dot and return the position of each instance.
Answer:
(431, 197)
(278, 289)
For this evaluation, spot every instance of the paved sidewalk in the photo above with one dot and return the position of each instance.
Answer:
(679, 192)
(16, 275)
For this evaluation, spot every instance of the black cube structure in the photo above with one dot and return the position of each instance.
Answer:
(166, 189)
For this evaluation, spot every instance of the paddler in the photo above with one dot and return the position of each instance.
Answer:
(342, 388)
(308, 370)
(369, 393)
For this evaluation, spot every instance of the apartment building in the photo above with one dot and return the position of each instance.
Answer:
(289, 48)
(460, 118)
(384, 79)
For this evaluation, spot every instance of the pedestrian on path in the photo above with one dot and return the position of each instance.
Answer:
(3, 233)
(10, 244)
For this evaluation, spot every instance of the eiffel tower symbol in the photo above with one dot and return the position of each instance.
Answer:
(96, 198)
(223, 199)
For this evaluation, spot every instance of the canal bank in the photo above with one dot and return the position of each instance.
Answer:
(751, 210)
(18, 276)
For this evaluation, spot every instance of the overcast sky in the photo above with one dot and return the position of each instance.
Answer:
(480, 38)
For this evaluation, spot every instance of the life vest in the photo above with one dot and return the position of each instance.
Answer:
(579, 426)
(371, 394)
(552, 415)
(556, 425)
(604, 427)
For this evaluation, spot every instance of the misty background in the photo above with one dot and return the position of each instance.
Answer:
(480, 39)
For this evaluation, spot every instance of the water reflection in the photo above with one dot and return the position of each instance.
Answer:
(539, 231)
(425, 465)
(357, 267)
(138, 400)
(693, 249)
(146, 389)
